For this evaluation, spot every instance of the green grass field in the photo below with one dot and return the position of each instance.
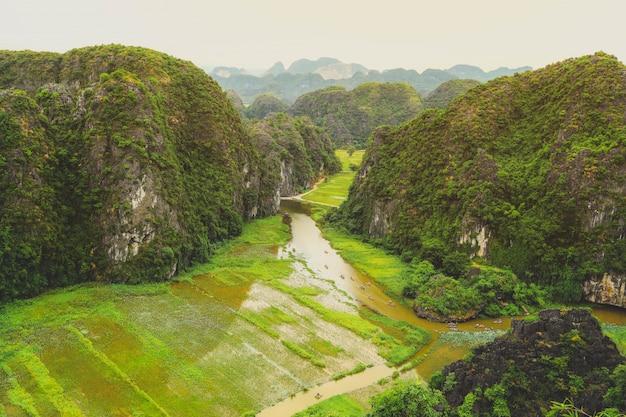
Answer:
(339, 405)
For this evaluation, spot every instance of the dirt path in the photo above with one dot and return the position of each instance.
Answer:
(300, 198)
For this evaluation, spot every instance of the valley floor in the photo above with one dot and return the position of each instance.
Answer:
(257, 325)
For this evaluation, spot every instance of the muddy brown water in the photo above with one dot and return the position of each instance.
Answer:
(307, 243)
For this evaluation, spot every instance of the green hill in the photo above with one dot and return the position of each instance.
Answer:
(264, 105)
(443, 95)
(351, 116)
(525, 171)
(298, 152)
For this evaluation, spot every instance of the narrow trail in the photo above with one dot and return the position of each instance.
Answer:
(300, 198)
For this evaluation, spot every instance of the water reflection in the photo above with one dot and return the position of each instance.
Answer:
(307, 243)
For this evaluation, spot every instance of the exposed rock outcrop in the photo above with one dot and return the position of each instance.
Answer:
(560, 355)
(608, 289)
(299, 152)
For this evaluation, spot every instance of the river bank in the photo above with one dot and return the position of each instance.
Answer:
(448, 344)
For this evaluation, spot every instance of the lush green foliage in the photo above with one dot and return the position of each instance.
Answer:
(567, 408)
(490, 291)
(560, 355)
(616, 395)
(296, 149)
(337, 406)
(443, 95)
(29, 225)
(406, 399)
(351, 116)
(524, 161)
(265, 105)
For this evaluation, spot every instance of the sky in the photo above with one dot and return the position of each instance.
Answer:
(379, 34)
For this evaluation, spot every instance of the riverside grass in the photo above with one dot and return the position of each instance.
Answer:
(334, 189)
(339, 405)
(618, 335)
(368, 259)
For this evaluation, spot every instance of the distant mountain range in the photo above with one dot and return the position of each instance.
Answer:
(305, 75)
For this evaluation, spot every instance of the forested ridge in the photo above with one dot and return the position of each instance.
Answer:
(351, 116)
(525, 171)
(123, 164)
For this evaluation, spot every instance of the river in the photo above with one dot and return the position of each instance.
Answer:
(308, 243)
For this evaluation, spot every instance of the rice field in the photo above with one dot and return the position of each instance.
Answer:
(224, 340)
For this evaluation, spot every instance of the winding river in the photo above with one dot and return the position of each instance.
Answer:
(308, 243)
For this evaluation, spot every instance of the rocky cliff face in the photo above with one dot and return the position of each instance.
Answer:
(608, 289)
(560, 355)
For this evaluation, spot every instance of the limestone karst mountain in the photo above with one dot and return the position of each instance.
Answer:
(558, 355)
(526, 171)
(122, 164)
(351, 116)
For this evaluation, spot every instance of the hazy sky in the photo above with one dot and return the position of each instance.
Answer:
(381, 34)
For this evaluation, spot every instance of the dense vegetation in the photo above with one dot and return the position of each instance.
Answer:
(526, 172)
(350, 117)
(265, 105)
(124, 164)
(298, 152)
(443, 95)
(454, 293)
(554, 356)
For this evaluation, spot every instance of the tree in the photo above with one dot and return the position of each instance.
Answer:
(616, 395)
(407, 399)
(456, 264)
